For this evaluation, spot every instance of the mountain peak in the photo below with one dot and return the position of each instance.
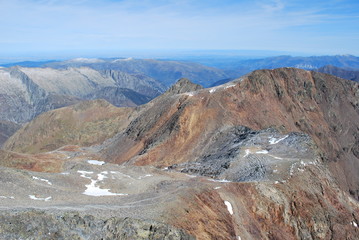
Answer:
(183, 85)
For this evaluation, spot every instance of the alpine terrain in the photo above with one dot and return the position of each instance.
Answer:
(271, 155)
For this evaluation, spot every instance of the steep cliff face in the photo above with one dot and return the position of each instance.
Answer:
(138, 82)
(22, 99)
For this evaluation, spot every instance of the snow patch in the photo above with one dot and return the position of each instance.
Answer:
(229, 207)
(239, 238)
(123, 59)
(33, 197)
(212, 90)
(219, 180)
(147, 175)
(83, 174)
(86, 60)
(233, 85)
(247, 152)
(5, 197)
(93, 190)
(262, 152)
(191, 176)
(101, 177)
(41, 179)
(273, 140)
(217, 188)
(191, 94)
(96, 162)
(354, 224)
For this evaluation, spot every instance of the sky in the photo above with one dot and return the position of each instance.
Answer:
(84, 27)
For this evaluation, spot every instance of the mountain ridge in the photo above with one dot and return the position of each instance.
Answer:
(352, 75)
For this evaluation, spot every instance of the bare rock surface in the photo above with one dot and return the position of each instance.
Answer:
(71, 225)
(241, 154)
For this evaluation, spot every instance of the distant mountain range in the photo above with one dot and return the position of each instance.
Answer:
(166, 72)
(352, 75)
(308, 63)
(205, 71)
(27, 92)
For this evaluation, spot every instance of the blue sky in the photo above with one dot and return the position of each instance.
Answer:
(30, 27)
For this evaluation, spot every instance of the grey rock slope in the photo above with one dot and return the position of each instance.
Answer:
(22, 99)
(71, 225)
(7, 129)
(242, 154)
(120, 97)
(82, 81)
(137, 82)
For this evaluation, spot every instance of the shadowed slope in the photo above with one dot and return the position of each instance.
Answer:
(340, 72)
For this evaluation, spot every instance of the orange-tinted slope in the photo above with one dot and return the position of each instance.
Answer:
(85, 124)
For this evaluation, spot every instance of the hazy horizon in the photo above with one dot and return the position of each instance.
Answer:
(84, 28)
(185, 55)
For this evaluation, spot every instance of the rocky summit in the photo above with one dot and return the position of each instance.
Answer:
(271, 155)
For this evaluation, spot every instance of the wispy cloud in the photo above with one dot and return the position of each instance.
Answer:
(145, 24)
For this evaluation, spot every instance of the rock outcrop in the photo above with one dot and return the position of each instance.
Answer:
(72, 225)
(183, 85)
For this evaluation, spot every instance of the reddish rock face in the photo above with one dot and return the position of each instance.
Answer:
(178, 128)
(175, 129)
(305, 207)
